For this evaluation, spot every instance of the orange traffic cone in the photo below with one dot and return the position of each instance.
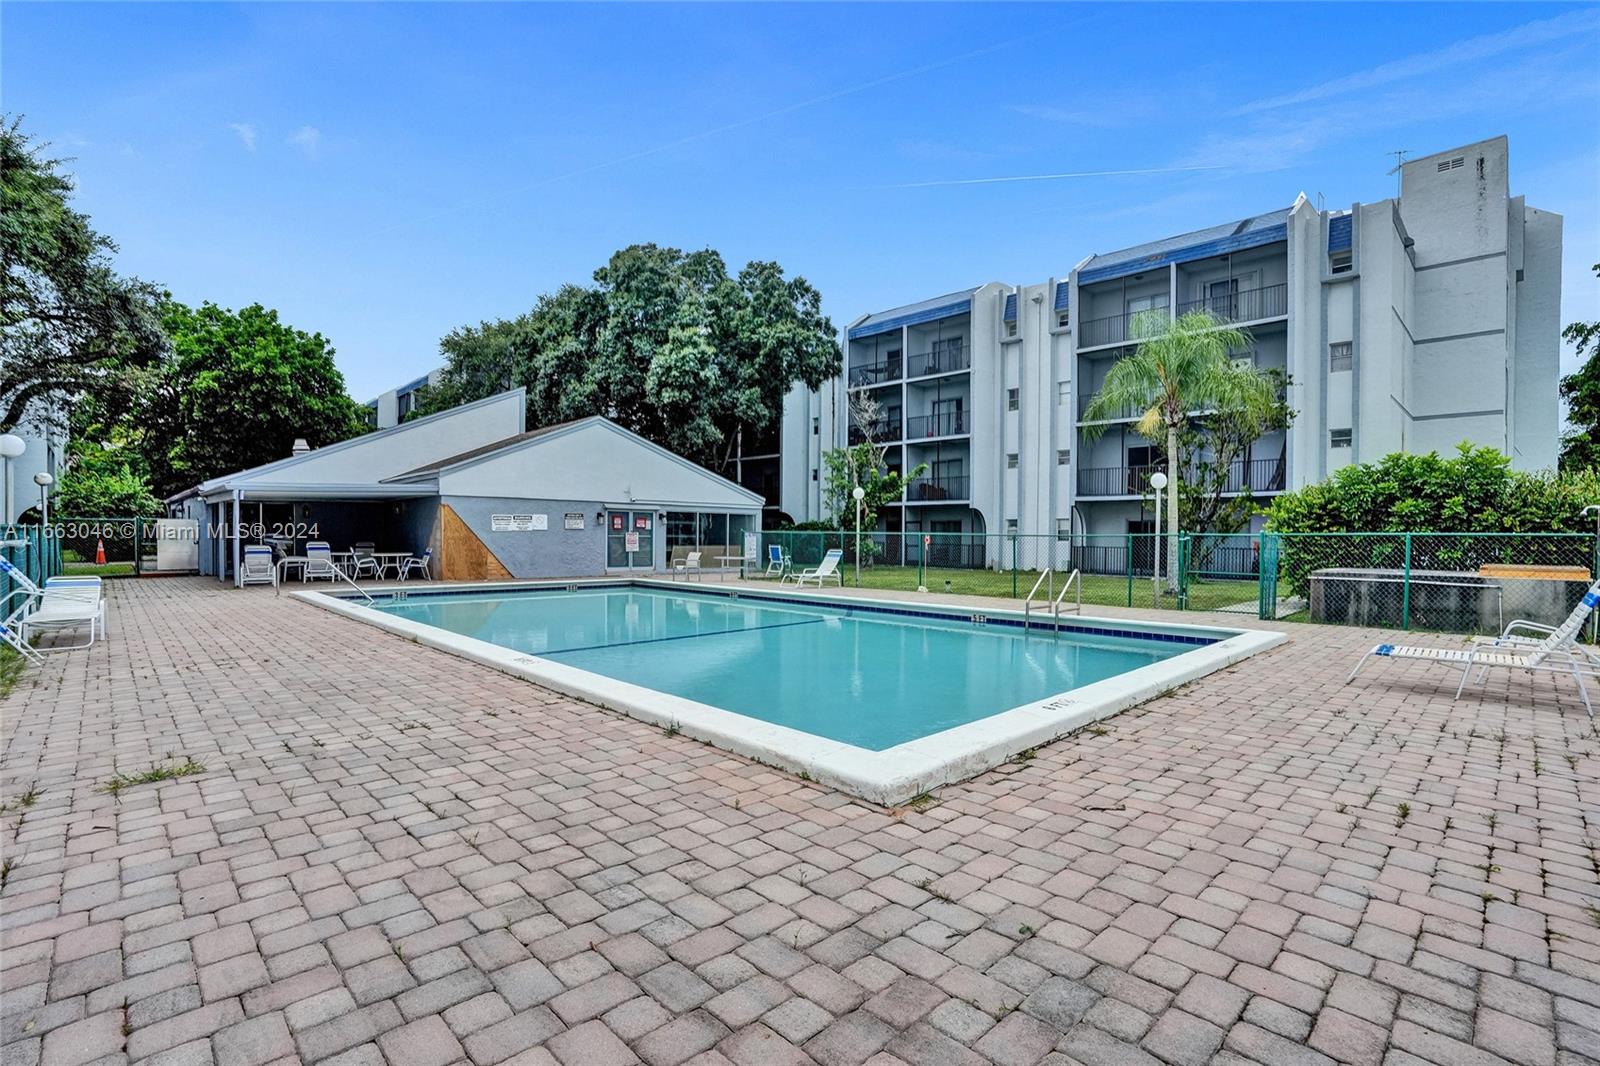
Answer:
(100, 551)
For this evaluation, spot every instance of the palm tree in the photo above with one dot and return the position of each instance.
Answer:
(1181, 366)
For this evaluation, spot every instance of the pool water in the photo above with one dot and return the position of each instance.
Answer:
(866, 678)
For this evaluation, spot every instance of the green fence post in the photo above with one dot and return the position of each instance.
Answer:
(1127, 564)
(1405, 590)
(1183, 571)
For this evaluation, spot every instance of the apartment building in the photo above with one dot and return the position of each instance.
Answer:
(395, 406)
(1408, 324)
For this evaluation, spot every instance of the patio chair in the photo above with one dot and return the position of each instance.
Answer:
(258, 567)
(363, 560)
(319, 561)
(777, 562)
(62, 604)
(1556, 653)
(689, 563)
(829, 567)
(418, 563)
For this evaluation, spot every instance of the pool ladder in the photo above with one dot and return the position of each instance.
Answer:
(1053, 601)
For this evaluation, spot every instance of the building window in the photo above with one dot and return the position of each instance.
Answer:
(1063, 393)
(1063, 456)
(1013, 399)
(1339, 438)
(405, 404)
(1063, 319)
(1063, 529)
(1011, 460)
(813, 473)
(1011, 526)
(1341, 355)
(1340, 262)
(816, 427)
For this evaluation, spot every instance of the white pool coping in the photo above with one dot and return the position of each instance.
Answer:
(886, 777)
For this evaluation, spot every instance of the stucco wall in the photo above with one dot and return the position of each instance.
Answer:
(1537, 419)
(553, 552)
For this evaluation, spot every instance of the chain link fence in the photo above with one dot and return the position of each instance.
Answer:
(1450, 582)
(128, 545)
(37, 556)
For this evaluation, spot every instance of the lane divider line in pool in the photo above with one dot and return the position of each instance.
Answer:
(681, 636)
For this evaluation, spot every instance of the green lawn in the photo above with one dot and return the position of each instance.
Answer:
(1099, 589)
(90, 569)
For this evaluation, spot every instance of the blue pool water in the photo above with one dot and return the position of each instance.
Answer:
(869, 679)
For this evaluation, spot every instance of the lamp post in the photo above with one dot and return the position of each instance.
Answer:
(11, 446)
(859, 494)
(44, 481)
(1158, 481)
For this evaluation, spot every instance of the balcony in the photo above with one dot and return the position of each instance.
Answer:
(1127, 411)
(946, 360)
(945, 424)
(1257, 475)
(938, 489)
(874, 373)
(1270, 301)
(884, 430)
(1117, 329)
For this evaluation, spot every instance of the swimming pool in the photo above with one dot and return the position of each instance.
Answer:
(883, 698)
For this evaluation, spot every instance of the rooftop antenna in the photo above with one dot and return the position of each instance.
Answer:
(1399, 161)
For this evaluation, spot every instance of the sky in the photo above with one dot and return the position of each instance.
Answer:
(385, 173)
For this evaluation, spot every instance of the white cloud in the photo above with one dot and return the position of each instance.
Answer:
(1574, 25)
(308, 139)
(246, 134)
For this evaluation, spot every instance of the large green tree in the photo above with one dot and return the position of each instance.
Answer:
(69, 323)
(1580, 448)
(1180, 367)
(234, 390)
(665, 342)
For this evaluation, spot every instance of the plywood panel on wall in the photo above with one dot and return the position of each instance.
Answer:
(463, 557)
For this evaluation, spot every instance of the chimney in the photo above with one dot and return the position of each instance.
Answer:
(300, 447)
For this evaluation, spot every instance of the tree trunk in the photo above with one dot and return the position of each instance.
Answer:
(1172, 507)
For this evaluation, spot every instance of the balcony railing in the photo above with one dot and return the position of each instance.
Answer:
(1125, 411)
(945, 424)
(1270, 301)
(935, 489)
(1115, 480)
(944, 361)
(886, 428)
(1119, 329)
(873, 373)
(1258, 475)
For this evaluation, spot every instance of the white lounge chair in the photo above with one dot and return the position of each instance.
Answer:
(689, 563)
(258, 568)
(1556, 653)
(319, 561)
(418, 563)
(62, 604)
(829, 567)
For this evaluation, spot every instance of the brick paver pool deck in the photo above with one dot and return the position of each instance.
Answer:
(395, 856)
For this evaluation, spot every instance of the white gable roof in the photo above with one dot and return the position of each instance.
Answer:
(369, 459)
(594, 459)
